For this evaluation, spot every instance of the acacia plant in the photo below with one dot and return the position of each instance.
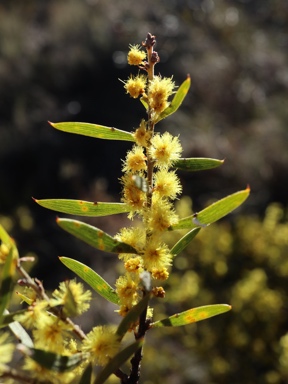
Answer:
(55, 348)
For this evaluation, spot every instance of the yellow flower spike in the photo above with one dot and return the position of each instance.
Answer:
(159, 91)
(167, 184)
(135, 86)
(165, 149)
(102, 342)
(135, 160)
(135, 55)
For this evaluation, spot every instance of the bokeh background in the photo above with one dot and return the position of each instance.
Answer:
(61, 60)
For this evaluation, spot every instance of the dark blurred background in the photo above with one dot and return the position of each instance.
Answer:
(61, 60)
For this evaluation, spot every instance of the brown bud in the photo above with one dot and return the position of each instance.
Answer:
(158, 292)
(150, 41)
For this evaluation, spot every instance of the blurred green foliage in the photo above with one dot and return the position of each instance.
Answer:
(244, 263)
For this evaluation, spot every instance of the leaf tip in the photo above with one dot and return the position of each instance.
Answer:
(52, 124)
(248, 189)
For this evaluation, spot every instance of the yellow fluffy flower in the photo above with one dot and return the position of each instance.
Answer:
(127, 290)
(132, 195)
(161, 216)
(159, 91)
(135, 160)
(156, 255)
(73, 297)
(135, 55)
(102, 342)
(135, 86)
(165, 149)
(167, 184)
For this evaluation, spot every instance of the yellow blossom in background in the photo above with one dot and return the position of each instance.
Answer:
(35, 315)
(80, 297)
(44, 375)
(4, 252)
(50, 336)
(165, 149)
(102, 342)
(135, 55)
(6, 348)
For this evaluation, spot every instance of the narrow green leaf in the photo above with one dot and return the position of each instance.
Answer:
(214, 212)
(94, 130)
(117, 361)
(83, 208)
(177, 99)
(196, 163)
(94, 236)
(192, 315)
(87, 375)
(54, 361)
(132, 316)
(184, 241)
(91, 278)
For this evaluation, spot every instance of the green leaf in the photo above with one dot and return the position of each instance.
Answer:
(87, 375)
(54, 361)
(192, 315)
(94, 130)
(94, 236)
(91, 278)
(132, 316)
(83, 208)
(117, 361)
(177, 99)
(214, 212)
(196, 163)
(184, 241)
